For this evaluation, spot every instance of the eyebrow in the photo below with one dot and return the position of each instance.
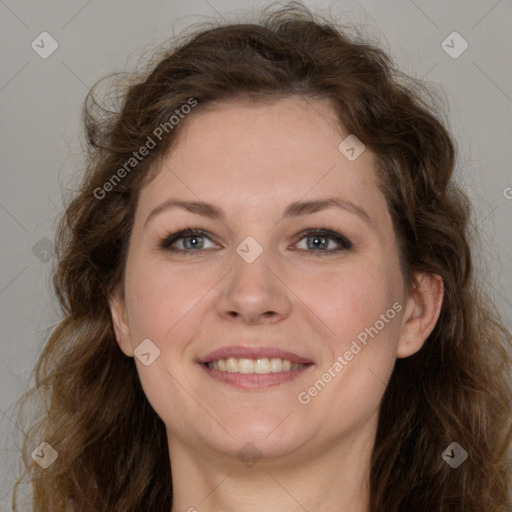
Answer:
(295, 209)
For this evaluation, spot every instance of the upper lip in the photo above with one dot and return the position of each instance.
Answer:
(239, 351)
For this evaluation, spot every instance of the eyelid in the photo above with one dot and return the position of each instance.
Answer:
(328, 233)
(166, 241)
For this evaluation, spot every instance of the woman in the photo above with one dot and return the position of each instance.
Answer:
(268, 295)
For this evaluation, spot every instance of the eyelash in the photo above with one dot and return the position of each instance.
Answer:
(345, 243)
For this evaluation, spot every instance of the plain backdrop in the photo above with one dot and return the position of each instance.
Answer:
(40, 109)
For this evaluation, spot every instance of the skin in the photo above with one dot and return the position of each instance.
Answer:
(252, 160)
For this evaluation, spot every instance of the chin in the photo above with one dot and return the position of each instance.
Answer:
(266, 434)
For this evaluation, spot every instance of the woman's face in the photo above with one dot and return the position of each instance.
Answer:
(254, 290)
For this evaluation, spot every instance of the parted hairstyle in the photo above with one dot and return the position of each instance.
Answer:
(111, 444)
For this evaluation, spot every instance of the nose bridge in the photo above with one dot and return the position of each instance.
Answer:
(252, 264)
(253, 288)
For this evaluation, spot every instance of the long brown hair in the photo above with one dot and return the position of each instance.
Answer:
(111, 445)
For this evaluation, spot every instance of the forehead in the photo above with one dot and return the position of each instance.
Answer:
(242, 154)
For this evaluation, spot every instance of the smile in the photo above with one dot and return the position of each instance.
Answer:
(253, 367)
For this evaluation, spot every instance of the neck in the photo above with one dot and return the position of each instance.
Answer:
(330, 478)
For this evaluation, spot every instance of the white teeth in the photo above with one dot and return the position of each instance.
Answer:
(276, 364)
(262, 365)
(232, 365)
(245, 366)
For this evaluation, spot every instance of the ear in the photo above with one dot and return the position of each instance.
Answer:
(421, 313)
(119, 320)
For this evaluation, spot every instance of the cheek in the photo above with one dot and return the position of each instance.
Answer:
(350, 299)
(360, 311)
(157, 298)
(163, 306)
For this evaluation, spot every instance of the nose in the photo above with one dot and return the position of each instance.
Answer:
(254, 293)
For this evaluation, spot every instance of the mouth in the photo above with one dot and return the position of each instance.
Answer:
(254, 368)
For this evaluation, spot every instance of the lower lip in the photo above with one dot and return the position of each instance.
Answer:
(254, 380)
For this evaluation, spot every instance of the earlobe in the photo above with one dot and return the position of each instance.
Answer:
(119, 321)
(421, 314)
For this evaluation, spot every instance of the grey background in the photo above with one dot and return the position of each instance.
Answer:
(41, 100)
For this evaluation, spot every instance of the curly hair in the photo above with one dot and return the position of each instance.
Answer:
(110, 442)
